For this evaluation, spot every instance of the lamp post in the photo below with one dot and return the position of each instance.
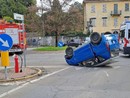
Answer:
(89, 27)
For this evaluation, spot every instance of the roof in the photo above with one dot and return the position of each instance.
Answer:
(87, 1)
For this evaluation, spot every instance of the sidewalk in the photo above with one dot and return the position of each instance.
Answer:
(26, 73)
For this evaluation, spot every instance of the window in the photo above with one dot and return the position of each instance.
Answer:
(126, 6)
(129, 33)
(104, 21)
(93, 22)
(93, 8)
(115, 22)
(115, 8)
(127, 18)
(104, 8)
(122, 33)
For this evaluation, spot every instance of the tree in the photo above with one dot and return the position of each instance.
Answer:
(75, 20)
(32, 21)
(8, 19)
(55, 17)
(8, 7)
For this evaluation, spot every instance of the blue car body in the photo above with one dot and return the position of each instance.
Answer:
(89, 51)
(113, 40)
(81, 54)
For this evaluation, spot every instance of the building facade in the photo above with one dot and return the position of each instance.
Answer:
(105, 15)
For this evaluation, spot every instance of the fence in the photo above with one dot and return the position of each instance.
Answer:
(50, 40)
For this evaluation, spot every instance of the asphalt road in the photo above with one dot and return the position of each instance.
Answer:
(111, 81)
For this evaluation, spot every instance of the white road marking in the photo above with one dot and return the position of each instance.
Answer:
(10, 91)
(117, 67)
(78, 68)
(106, 73)
(50, 74)
(21, 86)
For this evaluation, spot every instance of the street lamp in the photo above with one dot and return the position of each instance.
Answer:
(89, 27)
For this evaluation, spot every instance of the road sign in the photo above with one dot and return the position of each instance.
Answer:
(18, 16)
(6, 42)
(21, 17)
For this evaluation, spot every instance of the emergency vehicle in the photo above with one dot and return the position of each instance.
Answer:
(16, 32)
(125, 38)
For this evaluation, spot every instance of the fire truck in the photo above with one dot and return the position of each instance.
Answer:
(18, 35)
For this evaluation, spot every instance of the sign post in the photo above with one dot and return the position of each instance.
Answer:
(18, 17)
(6, 43)
(21, 17)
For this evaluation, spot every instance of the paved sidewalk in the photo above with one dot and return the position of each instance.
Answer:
(26, 73)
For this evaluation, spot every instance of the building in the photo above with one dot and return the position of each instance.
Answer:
(105, 15)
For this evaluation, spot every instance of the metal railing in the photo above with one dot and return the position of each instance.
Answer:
(116, 13)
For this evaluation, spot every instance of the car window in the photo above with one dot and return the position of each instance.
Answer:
(129, 33)
(122, 33)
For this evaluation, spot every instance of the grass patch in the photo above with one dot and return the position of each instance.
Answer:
(50, 48)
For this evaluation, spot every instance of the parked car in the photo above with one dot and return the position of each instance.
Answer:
(113, 40)
(73, 43)
(97, 51)
(87, 40)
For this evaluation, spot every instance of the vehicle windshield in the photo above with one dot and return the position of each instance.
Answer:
(122, 33)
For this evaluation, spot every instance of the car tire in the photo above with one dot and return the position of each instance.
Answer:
(95, 38)
(106, 33)
(69, 52)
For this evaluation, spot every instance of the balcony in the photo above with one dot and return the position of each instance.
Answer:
(115, 13)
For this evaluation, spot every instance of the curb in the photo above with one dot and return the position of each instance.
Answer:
(39, 72)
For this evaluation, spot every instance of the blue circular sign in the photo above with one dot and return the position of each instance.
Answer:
(6, 42)
(60, 44)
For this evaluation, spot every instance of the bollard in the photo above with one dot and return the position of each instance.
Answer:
(16, 64)
(5, 61)
(5, 58)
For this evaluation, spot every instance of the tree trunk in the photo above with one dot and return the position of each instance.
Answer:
(56, 39)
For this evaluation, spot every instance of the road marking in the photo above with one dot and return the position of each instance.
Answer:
(78, 68)
(117, 67)
(21, 86)
(51, 66)
(50, 74)
(106, 73)
(10, 91)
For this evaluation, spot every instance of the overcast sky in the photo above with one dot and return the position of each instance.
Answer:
(79, 1)
(38, 1)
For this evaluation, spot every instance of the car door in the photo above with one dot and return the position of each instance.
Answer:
(121, 41)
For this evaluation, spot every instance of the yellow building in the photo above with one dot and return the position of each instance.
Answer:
(105, 15)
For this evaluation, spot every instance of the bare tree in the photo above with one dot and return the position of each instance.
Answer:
(54, 18)
(32, 20)
(75, 20)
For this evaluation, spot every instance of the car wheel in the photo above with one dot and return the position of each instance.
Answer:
(95, 38)
(69, 52)
(106, 33)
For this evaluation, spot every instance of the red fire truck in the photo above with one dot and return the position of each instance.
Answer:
(16, 31)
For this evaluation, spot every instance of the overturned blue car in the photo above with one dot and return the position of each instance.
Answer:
(98, 51)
